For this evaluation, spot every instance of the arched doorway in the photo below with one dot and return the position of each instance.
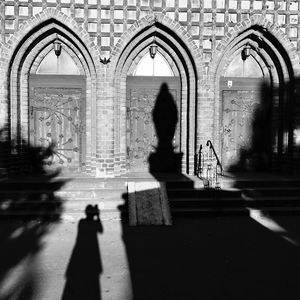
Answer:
(242, 100)
(254, 80)
(41, 92)
(143, 90)
(57, 110)
(182, 56)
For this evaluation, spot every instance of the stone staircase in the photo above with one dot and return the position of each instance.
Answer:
(54, 196)
(239, 194)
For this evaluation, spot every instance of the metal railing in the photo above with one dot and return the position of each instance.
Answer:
(198, 162)
(209, 167)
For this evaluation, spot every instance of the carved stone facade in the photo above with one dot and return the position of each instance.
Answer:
(108, 38)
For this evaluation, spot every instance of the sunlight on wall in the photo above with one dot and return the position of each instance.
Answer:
(153, 67)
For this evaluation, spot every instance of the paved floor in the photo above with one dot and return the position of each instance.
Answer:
(226, 257)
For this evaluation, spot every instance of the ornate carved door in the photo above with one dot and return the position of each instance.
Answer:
(238, 110)
(241, 103)
(57, 115)
(141, 137)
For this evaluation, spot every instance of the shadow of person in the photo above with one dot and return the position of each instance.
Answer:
(165, 118)
(85, 266)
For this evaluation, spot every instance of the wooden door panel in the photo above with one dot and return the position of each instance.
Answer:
(239, 108)
(57, 116)
(141, 136)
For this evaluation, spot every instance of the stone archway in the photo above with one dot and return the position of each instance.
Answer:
(144, 86)
(25, 55)
(268, 49)
(185, 56)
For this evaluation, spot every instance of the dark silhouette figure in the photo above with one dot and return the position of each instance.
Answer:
(165, 118)
(85, 265)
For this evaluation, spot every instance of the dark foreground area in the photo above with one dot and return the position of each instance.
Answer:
(211, 257)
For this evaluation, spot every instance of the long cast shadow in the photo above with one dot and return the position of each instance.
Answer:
(211, 258)
(85, 266)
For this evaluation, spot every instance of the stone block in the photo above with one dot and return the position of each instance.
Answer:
(148, 204)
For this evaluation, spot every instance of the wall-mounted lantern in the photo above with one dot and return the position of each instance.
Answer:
(57, 47)
(246, 52)
(153, 49)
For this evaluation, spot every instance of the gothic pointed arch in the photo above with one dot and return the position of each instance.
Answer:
(183, 55)
(274, 33)
(170, 26)
(279, 62)
(25, 51)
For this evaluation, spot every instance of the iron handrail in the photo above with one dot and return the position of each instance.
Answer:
(210, 145)
(199, 166)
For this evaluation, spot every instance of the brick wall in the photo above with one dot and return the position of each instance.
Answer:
(207, 21)
(199, 37)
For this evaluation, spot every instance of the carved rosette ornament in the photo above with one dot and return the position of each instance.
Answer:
(55, 119)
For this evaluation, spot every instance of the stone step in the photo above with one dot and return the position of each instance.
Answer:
(202, 193)
(73, 195)
(190, 212)
(238, 202)
(62, 185)
(234, 193)
(33, 183)
(110, 193)
(54, 196)
(260, 184)
(56, 207)
(78, 206)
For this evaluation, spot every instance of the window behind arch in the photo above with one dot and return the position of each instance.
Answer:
(157, 66)
(62, 64)
(243, 68)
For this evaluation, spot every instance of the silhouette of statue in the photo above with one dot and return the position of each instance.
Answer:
(85, 265)
(165, 118)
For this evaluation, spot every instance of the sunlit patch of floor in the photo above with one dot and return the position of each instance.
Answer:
(265, 220)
